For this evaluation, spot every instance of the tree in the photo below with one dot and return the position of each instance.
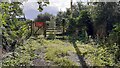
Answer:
(13, 30)
(59, 17)
(43, 17)
(80, 21)
(104, 16)
(106, 24)
(84, 23)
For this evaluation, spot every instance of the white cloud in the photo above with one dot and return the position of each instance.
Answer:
(31, 12)
(61, 4)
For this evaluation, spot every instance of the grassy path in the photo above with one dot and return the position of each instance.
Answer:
(57, 52)
(41, 52)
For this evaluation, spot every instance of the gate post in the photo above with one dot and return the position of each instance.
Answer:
(44, 30)
(63, 25)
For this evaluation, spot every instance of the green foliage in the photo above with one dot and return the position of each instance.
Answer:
(81, 25)
(51, 35)
(114, 38)
(23, 55)
(115, 34)
(83, 18)
(57, 52)
(59, 19)
(72, 25)
(43, 17)
(98, 56)
(105, 57)
(21, 60)
(0, 19)
(42, 4)
(105, 14)
(14, 31)
(64, 62)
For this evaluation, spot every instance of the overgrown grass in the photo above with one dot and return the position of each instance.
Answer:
(97, 56)
(23, 55)
(56, 51)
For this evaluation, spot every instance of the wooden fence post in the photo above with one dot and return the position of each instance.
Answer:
(44, 30)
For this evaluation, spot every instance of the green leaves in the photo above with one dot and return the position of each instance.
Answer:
(47, 2)
(40, 8)
(15, 30)
(24, 54)
(41, 5)
(43, 17)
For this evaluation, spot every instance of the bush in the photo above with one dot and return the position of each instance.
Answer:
(114, 38)
(23, 55)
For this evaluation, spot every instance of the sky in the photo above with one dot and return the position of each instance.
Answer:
(31, 12)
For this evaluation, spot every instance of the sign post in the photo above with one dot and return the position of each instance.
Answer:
(39, 25)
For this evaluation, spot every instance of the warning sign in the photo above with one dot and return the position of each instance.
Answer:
(39, 24)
